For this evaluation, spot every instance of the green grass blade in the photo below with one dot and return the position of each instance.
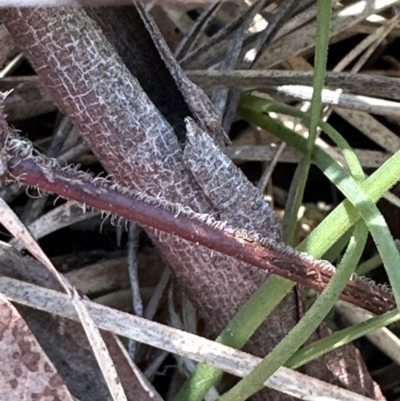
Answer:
(236, 334)
(334, 226)
(307, 325)
(340, 338)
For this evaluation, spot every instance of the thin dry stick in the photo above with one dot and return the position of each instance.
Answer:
(12, 65)
(303, 39)
(137, 304)
(59, 217)
(178, 342)
(368, 85)
(262, 184)
(339, 99)
(153, 304)
(191, 38)
(15, 226)
(266, 153)
(369, 44)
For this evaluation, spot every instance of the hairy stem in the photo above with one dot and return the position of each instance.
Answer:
(177, 219)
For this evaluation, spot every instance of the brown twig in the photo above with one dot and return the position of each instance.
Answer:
(202, 229)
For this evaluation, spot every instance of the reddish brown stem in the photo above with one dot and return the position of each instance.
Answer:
(174, 219)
